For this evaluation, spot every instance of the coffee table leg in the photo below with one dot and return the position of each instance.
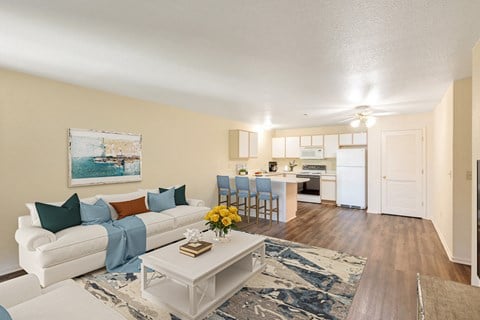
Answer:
(193, 301)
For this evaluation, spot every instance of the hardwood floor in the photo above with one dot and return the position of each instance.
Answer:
(397, 249)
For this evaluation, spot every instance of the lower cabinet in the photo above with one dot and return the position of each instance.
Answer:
(328, 188)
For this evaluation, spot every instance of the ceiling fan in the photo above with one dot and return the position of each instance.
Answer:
(364, 116)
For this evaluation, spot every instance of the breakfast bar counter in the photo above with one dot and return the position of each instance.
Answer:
(286, 188)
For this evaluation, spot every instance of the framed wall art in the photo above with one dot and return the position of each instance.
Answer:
(101, 157)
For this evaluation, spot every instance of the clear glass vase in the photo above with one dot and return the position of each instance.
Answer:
(220, 236)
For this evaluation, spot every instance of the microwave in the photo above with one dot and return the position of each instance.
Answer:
(311, 153)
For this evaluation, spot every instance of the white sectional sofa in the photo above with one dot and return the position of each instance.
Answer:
(24, 299)
(74, 251)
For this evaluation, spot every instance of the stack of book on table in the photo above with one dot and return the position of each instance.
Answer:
(194, 249)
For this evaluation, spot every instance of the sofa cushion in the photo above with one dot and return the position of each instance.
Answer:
(156, 223)
(69, 301)
(185, 215)
(119, 197)
(95, 213)
(159, 202)
(130, 207)
(54, 218)
(73, 243)
(180, 198)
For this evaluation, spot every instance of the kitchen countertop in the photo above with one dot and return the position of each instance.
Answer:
(278, 178)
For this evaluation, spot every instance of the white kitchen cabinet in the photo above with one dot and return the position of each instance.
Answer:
(292, 147)
(330, 145)
(305, 141)
(328, 188)
(239, 144)
(360, 138)
(345, 139)
(317, 140)
(278, 147)
(253, 145)
(353, 139)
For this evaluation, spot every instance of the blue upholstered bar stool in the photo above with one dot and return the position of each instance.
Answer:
(223, 184)
(264, 192)
(243, 192)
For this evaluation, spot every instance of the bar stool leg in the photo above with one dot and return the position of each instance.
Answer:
(247, 212)
(271, 211)
(245, 206)
(278, 211)
(258, 210)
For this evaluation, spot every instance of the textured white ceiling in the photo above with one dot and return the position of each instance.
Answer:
(249, 60)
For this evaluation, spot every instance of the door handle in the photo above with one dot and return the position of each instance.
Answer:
(384, 177)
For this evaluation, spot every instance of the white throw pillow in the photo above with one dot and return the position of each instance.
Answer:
(119, 198)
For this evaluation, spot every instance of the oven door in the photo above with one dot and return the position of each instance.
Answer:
(311, 187)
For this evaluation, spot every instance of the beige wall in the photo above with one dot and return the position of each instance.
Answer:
(393, 123)
(475, 154)
(178, 146)
(442, 170)
(462, 168)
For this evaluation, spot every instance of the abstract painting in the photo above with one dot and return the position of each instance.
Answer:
(100, 157)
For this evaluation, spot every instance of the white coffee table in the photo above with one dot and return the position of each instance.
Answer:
(190, 288)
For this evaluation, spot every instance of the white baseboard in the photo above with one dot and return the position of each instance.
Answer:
(450, 256)
(461, 261)
(443, 241)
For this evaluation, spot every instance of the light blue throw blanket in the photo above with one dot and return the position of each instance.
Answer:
(127, 239)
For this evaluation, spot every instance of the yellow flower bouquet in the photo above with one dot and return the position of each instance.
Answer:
(221, 219)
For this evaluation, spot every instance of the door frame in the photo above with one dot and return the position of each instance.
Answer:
(424, 169)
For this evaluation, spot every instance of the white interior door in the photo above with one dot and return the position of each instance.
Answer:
(403, 187)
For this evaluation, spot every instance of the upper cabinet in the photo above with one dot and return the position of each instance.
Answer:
(243, 144)
(360, 138)
(292, 147)
(311, 141)
(345, 139)
(253, 145)
(353, 139)
(330, 145)
(278, 147)
(289, 147)
(305, 141)
(317, 140)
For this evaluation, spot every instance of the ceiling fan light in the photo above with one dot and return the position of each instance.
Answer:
(370, 122)
(355, 123)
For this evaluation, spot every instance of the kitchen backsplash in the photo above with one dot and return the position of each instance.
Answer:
(330, 163)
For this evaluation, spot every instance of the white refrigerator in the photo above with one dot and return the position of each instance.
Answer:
(351, 178)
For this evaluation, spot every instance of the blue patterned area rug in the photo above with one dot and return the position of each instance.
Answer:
(300, 282)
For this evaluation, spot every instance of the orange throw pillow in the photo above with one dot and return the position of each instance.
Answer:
(129, 208)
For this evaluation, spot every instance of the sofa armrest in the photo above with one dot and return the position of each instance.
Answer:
(24, 221)
(196, 203)
(57, 285)
(18, 290)
(33, 237)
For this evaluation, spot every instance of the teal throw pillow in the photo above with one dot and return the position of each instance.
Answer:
(95, 213)
(54, 218)
(161, 201)
(180, 198)
(4, 315)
